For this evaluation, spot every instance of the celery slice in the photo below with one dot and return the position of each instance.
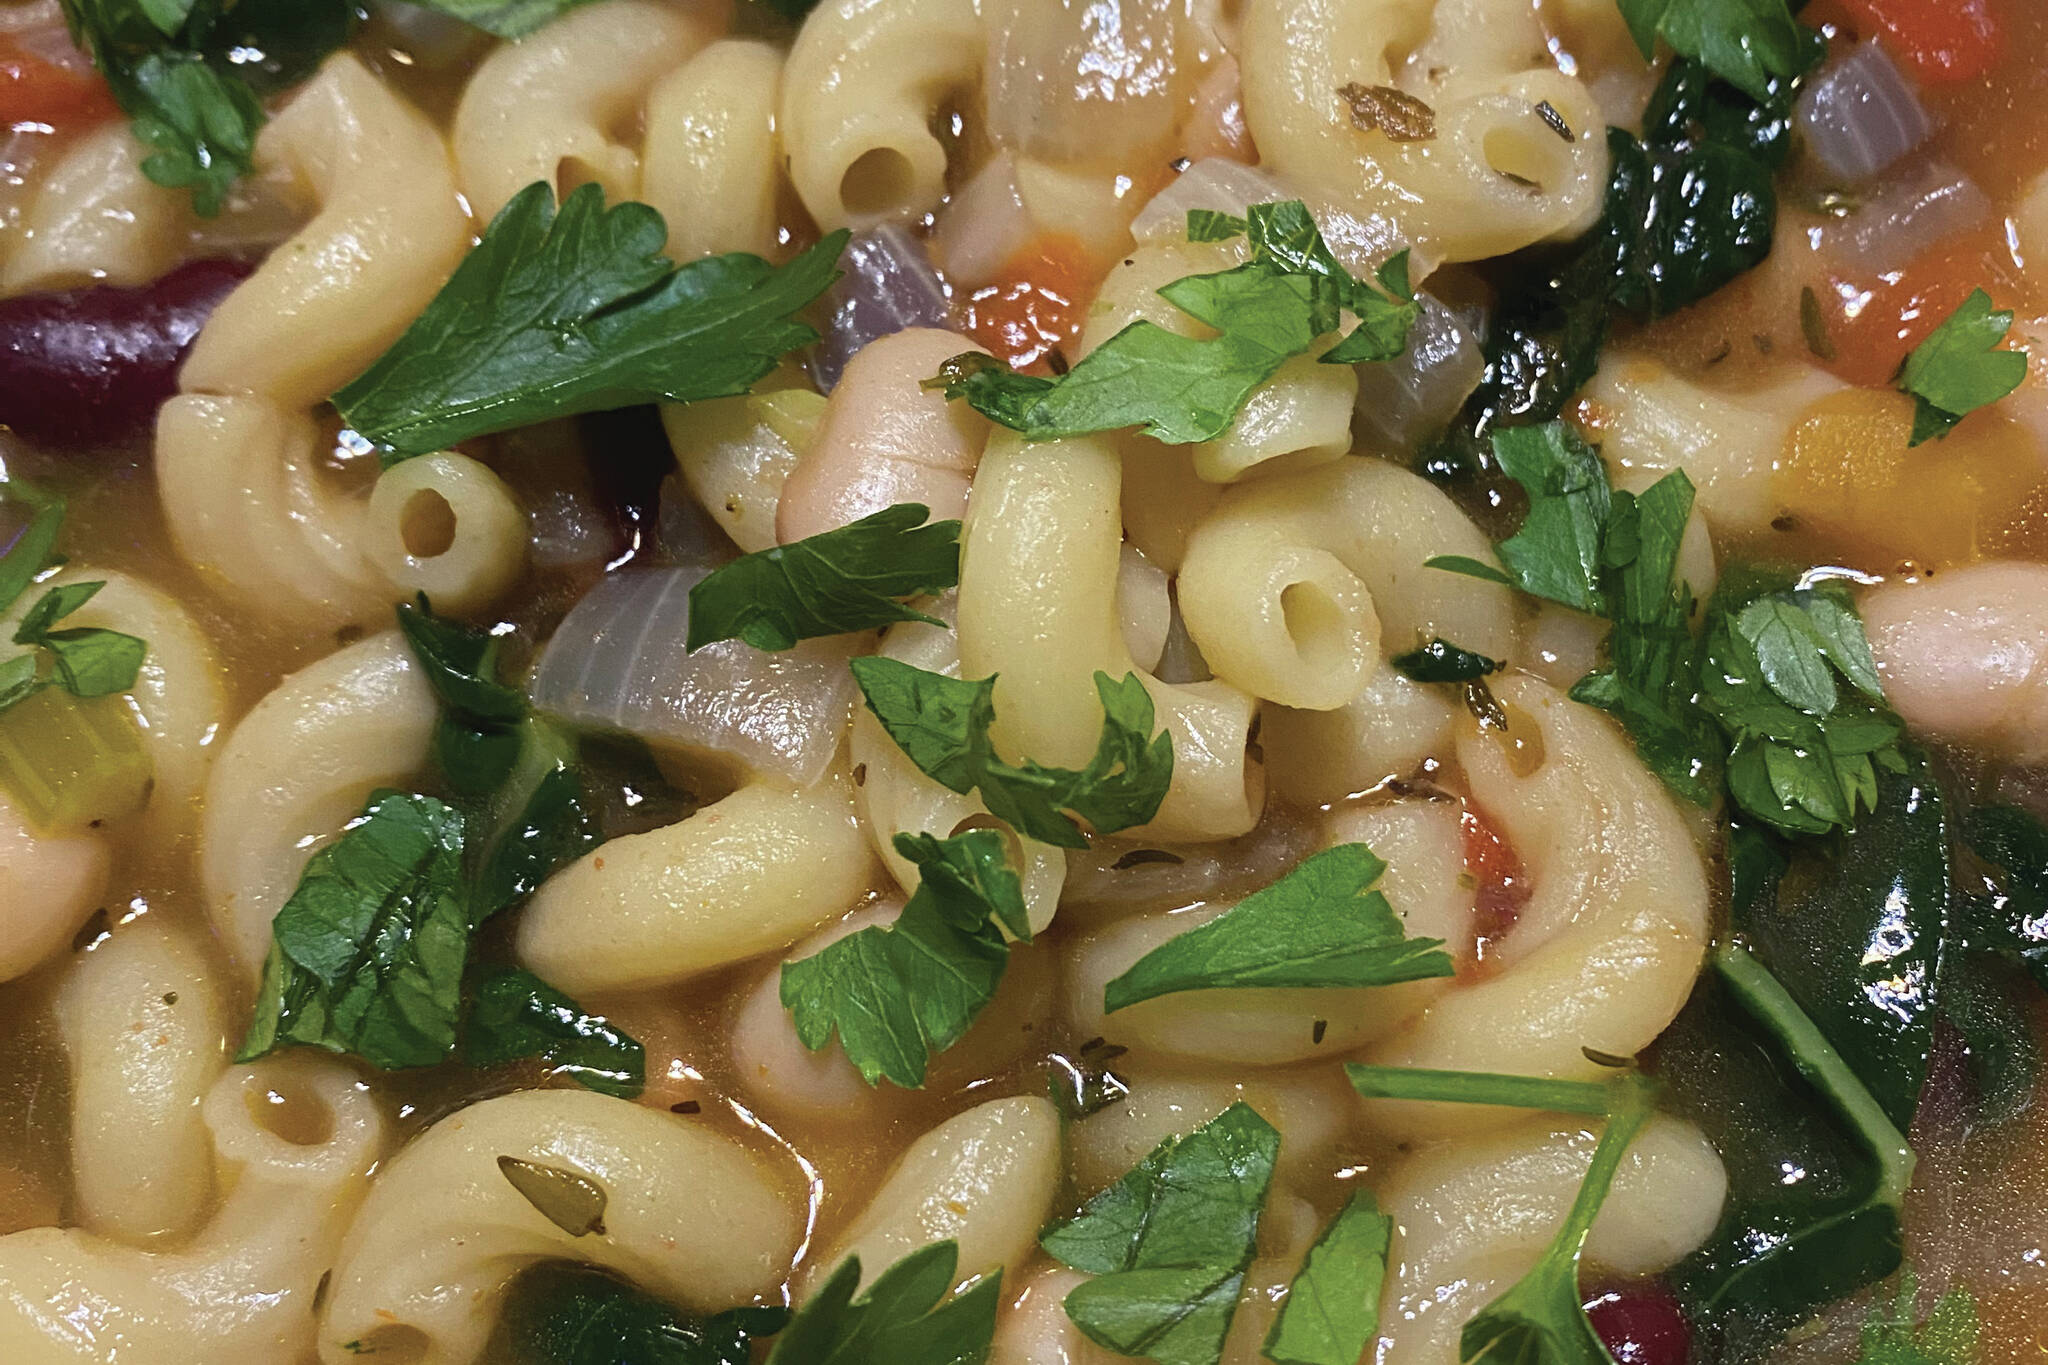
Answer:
(70, 764)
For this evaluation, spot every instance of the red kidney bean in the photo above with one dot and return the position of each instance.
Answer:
(88, 367)
(1642, 1324)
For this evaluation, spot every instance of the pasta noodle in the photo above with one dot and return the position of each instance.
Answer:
(862, 84)
(144, 1032)
(446, 526)
(296, 769)
(49, 884)
(1039, 562)
(1493, 179)
(1286, 583)
(984, 1179)
(1605, 952)
(1472, 1216)
(238, 455)
(748, 875)
(711, 157)
(97, 218)
(239, 1293)
(1423, 848)
(546, 108)
(685, 1212)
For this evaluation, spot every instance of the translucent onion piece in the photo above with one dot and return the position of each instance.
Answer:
(1861, 114)
(1912, 215)
(1407, 400)
(889, 285)
(985, 226)
(1082, 81)
(618, 663)
(1219, 184)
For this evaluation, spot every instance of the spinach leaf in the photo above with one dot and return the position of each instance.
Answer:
(1320, 925)
(1169, 1243)
(1688, 208)
(514, 1015)
(505, 18)
(367, 956)
(1440, 661)
(842, 580)
(1332, 1311)
(551, 316)
(943, 723)
(564, 1314)
(897, 995)
(1855, 928)
(1817, 1173)
(905, 1318)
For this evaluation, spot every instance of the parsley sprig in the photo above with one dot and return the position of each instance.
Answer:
(1961, 367)
(909, 1316)
(86, 661)
(1321, 925)
(558, 314)
(192, 75)
(1181, 389)
(1168, 1245)
(847, 579)
(370, 954)
(1748, 43)
(897, 995)
(943, 725)
(1777, 698)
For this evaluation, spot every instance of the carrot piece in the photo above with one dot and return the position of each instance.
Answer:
(1037, 305)
(60, 95)
(1943, 41)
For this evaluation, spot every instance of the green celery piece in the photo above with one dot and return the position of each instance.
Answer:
(1322, 925)
(555, 314)
(71, 763)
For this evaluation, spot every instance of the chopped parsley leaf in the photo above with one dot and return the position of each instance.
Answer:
(905, 1318)
(842, 580)
(554, 315)
(943, 725)
(1960, 368)
(1321, 925)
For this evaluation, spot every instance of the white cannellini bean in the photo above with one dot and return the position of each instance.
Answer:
(1964, 656)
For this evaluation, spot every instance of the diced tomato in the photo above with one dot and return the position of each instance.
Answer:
(1500, 885)
(1873, 323)
(63, 95)
(1037, 305)
(1943, 41)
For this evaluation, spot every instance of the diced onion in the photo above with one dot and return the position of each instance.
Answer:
(618, 663)
(985, 226)
(889, 285)
(1913, 214)
(1083, 84)
(1406, 400)
(1861, 114)
(1221, 185)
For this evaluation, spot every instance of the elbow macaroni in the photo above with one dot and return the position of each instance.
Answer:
(686, 1214)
